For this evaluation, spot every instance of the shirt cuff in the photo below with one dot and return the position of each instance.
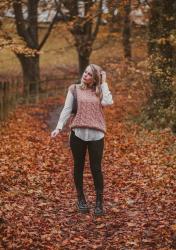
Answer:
(59, 125)
(104, 86)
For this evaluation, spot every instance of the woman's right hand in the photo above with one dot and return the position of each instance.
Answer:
(55, 132)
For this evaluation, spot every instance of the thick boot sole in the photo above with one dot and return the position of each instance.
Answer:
(83, 211)
(98, 213)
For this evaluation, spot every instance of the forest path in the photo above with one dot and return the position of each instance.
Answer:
(38, 199)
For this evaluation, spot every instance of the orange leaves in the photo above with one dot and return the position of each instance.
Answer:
(100, 226)
(38, 207)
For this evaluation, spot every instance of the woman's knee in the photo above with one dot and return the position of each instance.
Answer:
(96, 170)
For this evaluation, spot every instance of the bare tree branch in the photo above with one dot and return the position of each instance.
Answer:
(58, 8)
(20, 23)
(98, 20)
(33, 21)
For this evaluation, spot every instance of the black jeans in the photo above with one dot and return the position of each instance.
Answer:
(95, 150)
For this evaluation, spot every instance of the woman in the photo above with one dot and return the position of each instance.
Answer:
(87, 130)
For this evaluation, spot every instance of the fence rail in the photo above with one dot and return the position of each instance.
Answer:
(11, 93)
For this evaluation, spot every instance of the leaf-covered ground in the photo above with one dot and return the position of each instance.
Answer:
(38, 198)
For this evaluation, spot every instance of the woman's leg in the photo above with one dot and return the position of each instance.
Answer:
(95, 149)
(78, 148)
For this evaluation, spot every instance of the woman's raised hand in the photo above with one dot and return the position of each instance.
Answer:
(55, 132)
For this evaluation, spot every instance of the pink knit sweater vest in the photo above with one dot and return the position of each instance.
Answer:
(89, 110)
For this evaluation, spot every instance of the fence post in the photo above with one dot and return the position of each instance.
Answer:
(1, 101)
(6, 104)
(9, 95)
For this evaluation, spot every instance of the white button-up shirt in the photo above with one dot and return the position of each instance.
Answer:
(86, 134)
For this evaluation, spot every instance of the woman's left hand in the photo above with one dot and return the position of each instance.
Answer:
(103, 75)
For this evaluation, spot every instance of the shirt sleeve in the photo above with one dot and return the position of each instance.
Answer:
(66, 112)
(107, 96)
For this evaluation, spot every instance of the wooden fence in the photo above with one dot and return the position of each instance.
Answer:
(10, 92)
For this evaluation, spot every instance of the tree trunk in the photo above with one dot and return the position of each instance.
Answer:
(161, 24)
(84, 43)
(154, 26)
(28, 30)
(84, 52)
(31, 74)
(84, 29)
(83, 63)
(127, 31)
(161, 52)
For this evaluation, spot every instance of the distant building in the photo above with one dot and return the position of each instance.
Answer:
(44, 15)
(140, 15)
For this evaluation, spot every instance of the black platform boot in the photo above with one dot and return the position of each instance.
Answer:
(99, 204)
(82, 204)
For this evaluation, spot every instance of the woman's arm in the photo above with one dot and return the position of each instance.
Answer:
(66, 112)
(107, 96)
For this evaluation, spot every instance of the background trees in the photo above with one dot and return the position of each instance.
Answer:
(127, 30)
(124, 23)
(84, 27)
(28, 29)
(161, 46)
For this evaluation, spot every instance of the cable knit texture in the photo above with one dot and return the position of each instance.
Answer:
(89, 111)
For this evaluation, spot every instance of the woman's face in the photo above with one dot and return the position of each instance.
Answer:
(87, 76)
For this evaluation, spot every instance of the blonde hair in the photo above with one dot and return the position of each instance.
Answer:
(96, 72)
